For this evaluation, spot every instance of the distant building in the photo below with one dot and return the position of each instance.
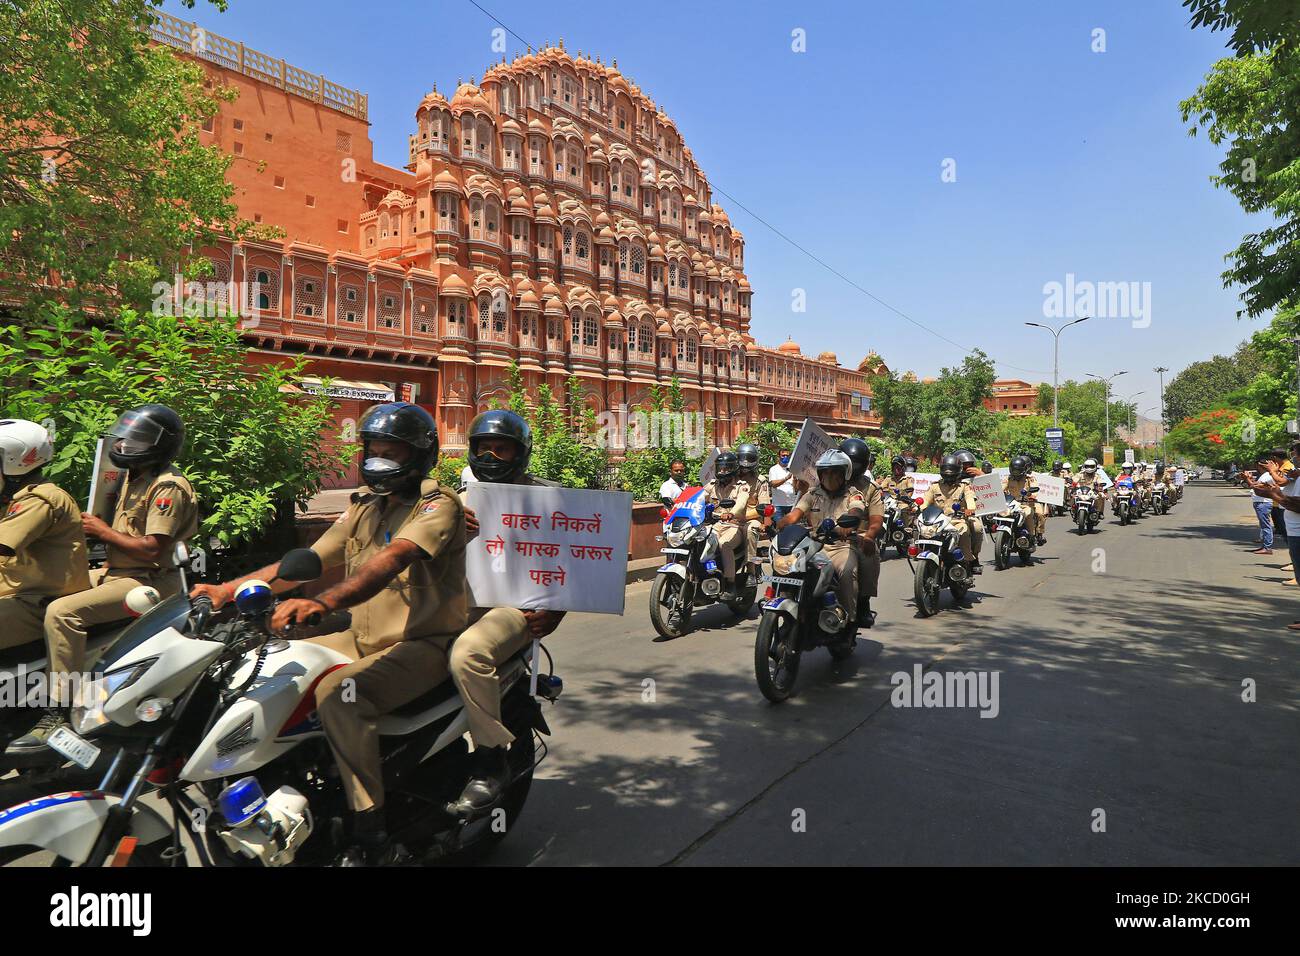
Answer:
(1014, 397)
(551, 215)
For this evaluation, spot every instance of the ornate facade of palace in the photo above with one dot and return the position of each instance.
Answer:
(550, 215)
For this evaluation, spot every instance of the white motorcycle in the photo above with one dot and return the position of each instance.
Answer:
(216, 716)
(1009, 532)
(937, 561)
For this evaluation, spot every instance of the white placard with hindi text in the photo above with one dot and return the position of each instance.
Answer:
(538, 547)
(1180, 477)
(921, 482)
(105, 484)
(1051, 490)
(706, 466)
(813, 441)
(990, 499)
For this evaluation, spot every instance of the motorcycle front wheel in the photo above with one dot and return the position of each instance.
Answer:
(1002, 553)
(665, 597)
(776, 658)
(1082, 521)
(926, 588)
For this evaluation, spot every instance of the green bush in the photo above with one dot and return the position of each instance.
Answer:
(250, 449)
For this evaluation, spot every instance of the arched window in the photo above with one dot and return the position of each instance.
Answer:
(622, 256)
(493, 221)
(584, 249)
(690, 350)
(476, 218)
(576, 328)
(672, 275)
(448, 210)
(638, 261)
(590, 332)
(568, 245)
(484, 315)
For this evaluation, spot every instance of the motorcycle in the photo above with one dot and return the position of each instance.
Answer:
(1086, 514)
(216, 716)
(937, 561)
(1009, 532)
(23, 669)
(898, 523)
(1159, 499)
(1128, 503)
(693, 577)
(800, 609)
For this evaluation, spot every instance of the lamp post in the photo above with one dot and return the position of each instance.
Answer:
(1161, 371)
(1132, 414)
(1107, 381)
(1056, 360)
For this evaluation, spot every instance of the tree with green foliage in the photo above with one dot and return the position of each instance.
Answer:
(770, 437)
(650, 456)
(1204, 384)
(1083, 405)
(104, 183)
(929, 418)
(564, 429)
(1251, 103)
(251, 449)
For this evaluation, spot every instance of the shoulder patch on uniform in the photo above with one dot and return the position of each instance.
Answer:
(14, 509)
(430, 506)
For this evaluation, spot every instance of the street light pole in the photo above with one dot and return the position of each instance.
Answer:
(1161, 371)
(1132, 414)
(1107, 381)
(1056, 361)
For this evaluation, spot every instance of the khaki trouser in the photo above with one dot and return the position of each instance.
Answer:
(729, 543)
(377, 685)
(67, 619)
(964, 528)
(475, 655)
(22, 619)
(868, 567)
(974, 537)
(1036, 518)
(845, 557)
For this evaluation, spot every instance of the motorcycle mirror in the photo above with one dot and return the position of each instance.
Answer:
(727, 503)
(849, 521)
(181, 555)
(300, 564)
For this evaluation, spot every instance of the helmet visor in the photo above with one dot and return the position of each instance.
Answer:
(134, 433)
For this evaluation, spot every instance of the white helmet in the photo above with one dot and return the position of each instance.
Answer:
(836, 459)
(1066, 466)
(1090, 464)
(24, 447)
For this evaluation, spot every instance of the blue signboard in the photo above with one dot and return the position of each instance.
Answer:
(1056, 440)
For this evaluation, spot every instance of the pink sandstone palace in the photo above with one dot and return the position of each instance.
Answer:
(549, 215)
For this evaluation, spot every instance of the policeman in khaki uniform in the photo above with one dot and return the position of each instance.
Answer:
(500, 446)
(760, 494)
(949, 490)
(155, 508)
(1018, 479)
(832, 498)
(867, 538)
(403, 548)
(42, 546)
(1089, 480)
(731, 526)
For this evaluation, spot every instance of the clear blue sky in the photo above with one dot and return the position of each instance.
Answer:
(1067, 161)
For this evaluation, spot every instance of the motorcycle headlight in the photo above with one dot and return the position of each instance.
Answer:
(783, 563)
(674, 538)
(88, 712)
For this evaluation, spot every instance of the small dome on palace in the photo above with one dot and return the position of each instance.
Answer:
(469, 97)
(789, 347)
(454, 283)
(446, 178)
(828, 357)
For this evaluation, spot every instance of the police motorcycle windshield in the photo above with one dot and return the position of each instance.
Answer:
(788, 538)
(932, 515)
(690, 506)
(173, 612)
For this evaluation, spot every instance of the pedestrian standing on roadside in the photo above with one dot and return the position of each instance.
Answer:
(1261, 501)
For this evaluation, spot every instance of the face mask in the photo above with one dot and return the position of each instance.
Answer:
(378, 465)
(785, 459)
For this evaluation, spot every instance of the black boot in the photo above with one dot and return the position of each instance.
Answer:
(33, 742)
(865, 617)
(489, 777)
(371, 845)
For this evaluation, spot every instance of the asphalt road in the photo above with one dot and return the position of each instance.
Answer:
(1119, 694)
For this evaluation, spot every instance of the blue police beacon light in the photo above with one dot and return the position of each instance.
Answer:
(254, 597)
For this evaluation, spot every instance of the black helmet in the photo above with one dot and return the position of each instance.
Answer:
(898, 461)
(966, 457)
(952, 467)
(397, 421)
(987, 467)
(726, 465)
(1021, 465)
(859, 453)
(911, 461)
(503, 424)
(150, 435)
(1056, 466)
(748, 456)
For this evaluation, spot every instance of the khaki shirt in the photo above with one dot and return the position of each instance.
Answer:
(160, 502)
(429, 597)
(737, 489)
(944, 496)
(901, 486)
(817, 504)
(42, 524)
(870, 492)
(760, 496)
(1015, 486)
(1090, 482)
